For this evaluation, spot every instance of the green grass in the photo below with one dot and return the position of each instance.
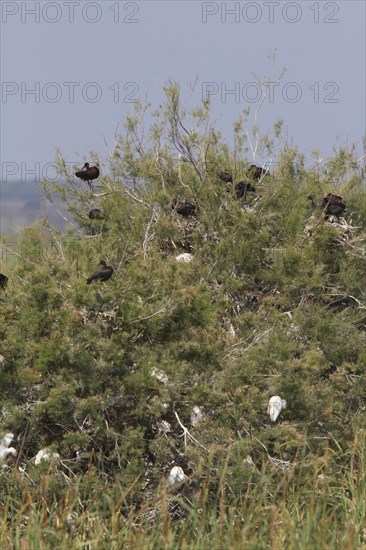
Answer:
(270, 507)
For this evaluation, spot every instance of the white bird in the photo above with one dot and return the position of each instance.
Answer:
(275, 406)
(185, 257)
(176, 475)
(196, 415)
(159, 375)
(7, 439)
(45, 455)
(5, 450)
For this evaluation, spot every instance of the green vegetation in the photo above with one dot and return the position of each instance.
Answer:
(272, 303)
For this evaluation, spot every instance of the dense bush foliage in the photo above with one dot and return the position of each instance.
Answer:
(272, 303)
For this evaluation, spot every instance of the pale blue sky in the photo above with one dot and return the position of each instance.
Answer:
(170, 40)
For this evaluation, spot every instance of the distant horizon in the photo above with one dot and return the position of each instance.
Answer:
(63, 87)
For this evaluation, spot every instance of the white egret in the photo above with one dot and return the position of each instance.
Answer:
(44, 455)
(159, 375)
(275, 406)
(185, 257)
(5, 450)
(176, 475)
(196, 415)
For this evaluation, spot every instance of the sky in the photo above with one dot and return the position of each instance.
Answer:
(70, 71)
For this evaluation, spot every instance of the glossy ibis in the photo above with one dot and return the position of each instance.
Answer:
(244, 187)
(256, 172)
(332, 204)
(88, 173)
(96, 214)
(226, 177)
(183, 208)
(3, 280)
(102, 274)
(118, 370)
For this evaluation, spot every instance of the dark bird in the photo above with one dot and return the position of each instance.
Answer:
(226, 177)
(88, 173)
(96, 214)
(184, 208)
(118, 370)
(333, 205)
(256, 172)
(123, 368)
(102, 274)
(244, 187)
(3, 280)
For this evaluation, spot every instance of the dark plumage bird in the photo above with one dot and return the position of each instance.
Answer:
(118, 370)
(244, 187)
(226, 177)
(183, 208)
(256, 172)
(88, 173)
(101, 274)
(332, 204)
(96, 214)
(3, 280)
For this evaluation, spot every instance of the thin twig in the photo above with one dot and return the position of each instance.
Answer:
(146, 238)
(20, 256)
(250, 345)
(162, 310)
(187, 435)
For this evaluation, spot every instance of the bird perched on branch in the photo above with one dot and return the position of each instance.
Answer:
(256, 172)
(183, 208)
(226, 177)
(96, 214)
(244, 187)
(88, 173)
(332, 204)
(3, 280)
(101, 274)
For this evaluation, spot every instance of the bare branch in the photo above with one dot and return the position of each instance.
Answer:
(187, 435)
(146, 239)
(162, 310)
(259, 337)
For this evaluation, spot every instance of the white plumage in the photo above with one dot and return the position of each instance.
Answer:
(159, 375)
(275, 406)
(176, 475)
(185, 257)
(5, 450)
(45, 455)
(196, 415)
(7, 439)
